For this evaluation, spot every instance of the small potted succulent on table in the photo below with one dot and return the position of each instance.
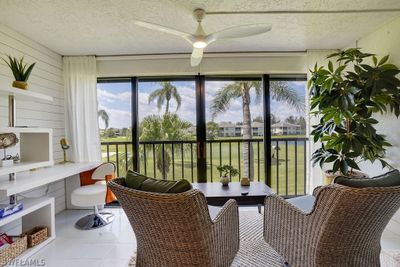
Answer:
(227, 171)
(20, 71)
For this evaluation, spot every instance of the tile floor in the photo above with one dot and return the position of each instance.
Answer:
(112, 245)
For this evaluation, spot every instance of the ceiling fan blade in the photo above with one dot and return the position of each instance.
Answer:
(197, 56)
(238, 32)
(187, 36)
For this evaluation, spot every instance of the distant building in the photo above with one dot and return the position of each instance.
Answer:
(228, 129)
(257, 128)
(284, 128)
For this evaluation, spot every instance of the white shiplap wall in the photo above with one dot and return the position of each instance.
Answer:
(46, 78)
(385, 41)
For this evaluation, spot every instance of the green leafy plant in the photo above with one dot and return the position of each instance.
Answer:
(345, 98)
(227, 170)
(19, 68)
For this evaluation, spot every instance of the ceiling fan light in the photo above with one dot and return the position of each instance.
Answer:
(199, 44)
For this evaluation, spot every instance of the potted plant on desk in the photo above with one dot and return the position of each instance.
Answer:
(346, 98)
(227, 171)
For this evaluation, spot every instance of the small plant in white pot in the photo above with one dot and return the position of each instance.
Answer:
(227, 171)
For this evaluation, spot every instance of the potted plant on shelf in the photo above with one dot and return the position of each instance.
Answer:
(227, 171)
(346, 98)
(20, 71)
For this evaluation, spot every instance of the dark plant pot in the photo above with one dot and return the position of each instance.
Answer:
(20, 85)
(329, 175)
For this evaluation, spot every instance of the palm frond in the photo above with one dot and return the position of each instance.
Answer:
(104, 116)
(258, 90)
(166, 92)
(281, 91)
(177, 97)
(224, 96)
(160, 101)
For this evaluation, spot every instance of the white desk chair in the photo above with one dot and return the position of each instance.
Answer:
(94, 195)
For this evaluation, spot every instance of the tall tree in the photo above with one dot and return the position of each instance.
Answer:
(103, 115)
(291, 119)
(259, 119)
(274, 119)
(165, 94)
(297, 120)
(163, 128)
(280, 91)
(212, 130)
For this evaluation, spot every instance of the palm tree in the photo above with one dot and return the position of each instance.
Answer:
(165, 93)
(280, 91)
(104, 116)
(162, 128)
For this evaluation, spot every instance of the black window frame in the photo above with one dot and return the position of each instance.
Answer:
(200, 80)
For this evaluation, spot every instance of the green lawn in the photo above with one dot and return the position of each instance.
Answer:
(283, 179)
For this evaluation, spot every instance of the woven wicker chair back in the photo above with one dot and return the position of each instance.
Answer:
(350, 221)
(169, 228)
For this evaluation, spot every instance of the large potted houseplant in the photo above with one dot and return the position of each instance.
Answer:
(345, 96)
(20, 70)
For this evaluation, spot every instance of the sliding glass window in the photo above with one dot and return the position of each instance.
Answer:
(167, 128)
(235, 127)
(288, 130)
(174, 128)
(115, 122)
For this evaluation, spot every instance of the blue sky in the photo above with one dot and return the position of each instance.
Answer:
(115, 98)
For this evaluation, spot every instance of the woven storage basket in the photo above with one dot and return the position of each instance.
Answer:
(12, 251)
(37, 235)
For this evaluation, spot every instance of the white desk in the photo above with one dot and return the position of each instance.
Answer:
(33, 179)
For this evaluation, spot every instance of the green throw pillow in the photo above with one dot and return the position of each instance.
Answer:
(391, 178)
(140, 182)
(134, 180)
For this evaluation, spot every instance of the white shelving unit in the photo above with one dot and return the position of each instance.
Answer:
(34, 148)
(24, 94)
(36, 212)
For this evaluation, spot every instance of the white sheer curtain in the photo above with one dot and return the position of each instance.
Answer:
(82, 129)
(314, 56)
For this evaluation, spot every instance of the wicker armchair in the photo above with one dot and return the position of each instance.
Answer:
(343, 229)
(176, 229)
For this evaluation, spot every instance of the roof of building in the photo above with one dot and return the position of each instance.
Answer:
(257, 124)
(228, 124)
(284, 124)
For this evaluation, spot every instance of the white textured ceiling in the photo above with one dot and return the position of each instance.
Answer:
(105, 27)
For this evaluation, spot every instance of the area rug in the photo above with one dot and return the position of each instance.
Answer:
(253, 250)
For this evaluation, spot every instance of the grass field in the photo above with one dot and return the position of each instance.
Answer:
(284, 171)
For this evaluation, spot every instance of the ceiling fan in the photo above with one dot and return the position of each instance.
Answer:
(200, 39)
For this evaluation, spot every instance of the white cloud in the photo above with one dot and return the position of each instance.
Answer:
(107, 96)
(120, 117)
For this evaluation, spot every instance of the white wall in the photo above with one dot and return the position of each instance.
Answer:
(386, 40)
(212, 64)
(46, 78)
